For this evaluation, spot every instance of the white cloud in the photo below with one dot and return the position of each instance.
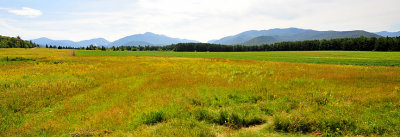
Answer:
(25, 11)
(203, 20)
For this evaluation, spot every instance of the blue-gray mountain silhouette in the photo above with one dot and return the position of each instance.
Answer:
(289, 34)
(46, 41)
(388, 34)
(145, 39)
(148, 38)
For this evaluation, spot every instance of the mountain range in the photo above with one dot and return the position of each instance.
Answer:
(146, 39)
(252, 37)
(149, 38)
(46, 41)
(388, 34)
(257, 37)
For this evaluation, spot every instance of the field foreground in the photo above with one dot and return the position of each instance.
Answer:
(47, 92)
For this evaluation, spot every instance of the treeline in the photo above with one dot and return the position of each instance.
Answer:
(11, 42)
(120, 48)
(91, 47)
(348, 44)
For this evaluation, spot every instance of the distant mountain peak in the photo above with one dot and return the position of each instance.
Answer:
(98, 39)
(148, 38)
(43, 38)
(149, 33)
(388, 34)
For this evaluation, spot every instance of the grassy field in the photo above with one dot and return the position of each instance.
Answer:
(323, 57)
(50, 92)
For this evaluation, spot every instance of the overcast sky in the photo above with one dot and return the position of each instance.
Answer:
(201, 20)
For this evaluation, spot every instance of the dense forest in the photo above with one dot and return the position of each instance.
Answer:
(348, 44)
(11, 42)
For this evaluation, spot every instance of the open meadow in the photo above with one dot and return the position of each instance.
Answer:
(51, 92)
(323, 57)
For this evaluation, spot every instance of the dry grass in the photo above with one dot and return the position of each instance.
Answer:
(53, 92)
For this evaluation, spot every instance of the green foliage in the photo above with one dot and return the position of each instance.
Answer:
(348, 44)
(11, 42)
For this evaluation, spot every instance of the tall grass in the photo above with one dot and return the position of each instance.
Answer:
(58, 94)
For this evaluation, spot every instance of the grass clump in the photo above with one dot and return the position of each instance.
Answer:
(327, 125)
(154, 117)
(235, 120)
(238, 98)
(178, 127)
(203, 115)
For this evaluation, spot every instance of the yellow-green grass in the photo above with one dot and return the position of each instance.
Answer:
(50, 92)
(323, 57)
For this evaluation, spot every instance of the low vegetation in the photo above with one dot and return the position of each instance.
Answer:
(90, 95)
(323, 57)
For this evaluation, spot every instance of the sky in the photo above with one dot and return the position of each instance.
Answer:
(200, 20)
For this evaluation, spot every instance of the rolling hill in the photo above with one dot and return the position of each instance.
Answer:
(261, 40)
